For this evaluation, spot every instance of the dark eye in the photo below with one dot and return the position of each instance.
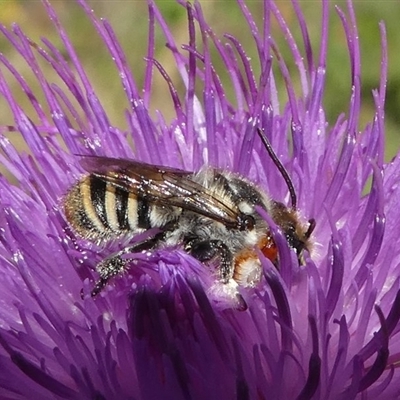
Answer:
(246, 222)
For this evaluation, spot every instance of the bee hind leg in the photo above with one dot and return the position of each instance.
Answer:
(109, 268)
(116, 264)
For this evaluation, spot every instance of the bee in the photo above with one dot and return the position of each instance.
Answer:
(211, 213)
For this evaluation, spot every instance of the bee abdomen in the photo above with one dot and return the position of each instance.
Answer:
(97, 209)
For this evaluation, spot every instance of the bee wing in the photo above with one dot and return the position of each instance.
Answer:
(98, 164)
(163, 186)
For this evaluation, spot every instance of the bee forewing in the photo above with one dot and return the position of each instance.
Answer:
(107, 164)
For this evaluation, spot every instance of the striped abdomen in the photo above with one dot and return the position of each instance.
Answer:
(97, 209)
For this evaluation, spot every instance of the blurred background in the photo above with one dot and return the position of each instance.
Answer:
(130, 21)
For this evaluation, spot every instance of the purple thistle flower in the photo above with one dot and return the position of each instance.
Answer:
(323, 330)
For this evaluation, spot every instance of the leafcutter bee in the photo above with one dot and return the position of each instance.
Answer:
(211, 213)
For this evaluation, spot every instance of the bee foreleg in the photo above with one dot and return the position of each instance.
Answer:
(205, 250)
(116, 264)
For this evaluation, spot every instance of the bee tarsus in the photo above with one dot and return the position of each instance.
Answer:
(116, 263)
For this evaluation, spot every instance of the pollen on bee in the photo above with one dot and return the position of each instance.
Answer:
(247, 268)
(247, 264)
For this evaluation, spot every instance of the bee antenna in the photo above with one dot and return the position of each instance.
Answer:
(280, 167)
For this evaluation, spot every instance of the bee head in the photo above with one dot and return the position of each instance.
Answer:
(297, 234)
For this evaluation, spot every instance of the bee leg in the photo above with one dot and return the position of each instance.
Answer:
(205, 250)
(107, 269)
(116, 264)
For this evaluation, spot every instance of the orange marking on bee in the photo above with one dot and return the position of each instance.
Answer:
(245, 255)
(268, 248)
(247, 265)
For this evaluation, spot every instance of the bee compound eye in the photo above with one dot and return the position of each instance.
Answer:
(246, 222)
